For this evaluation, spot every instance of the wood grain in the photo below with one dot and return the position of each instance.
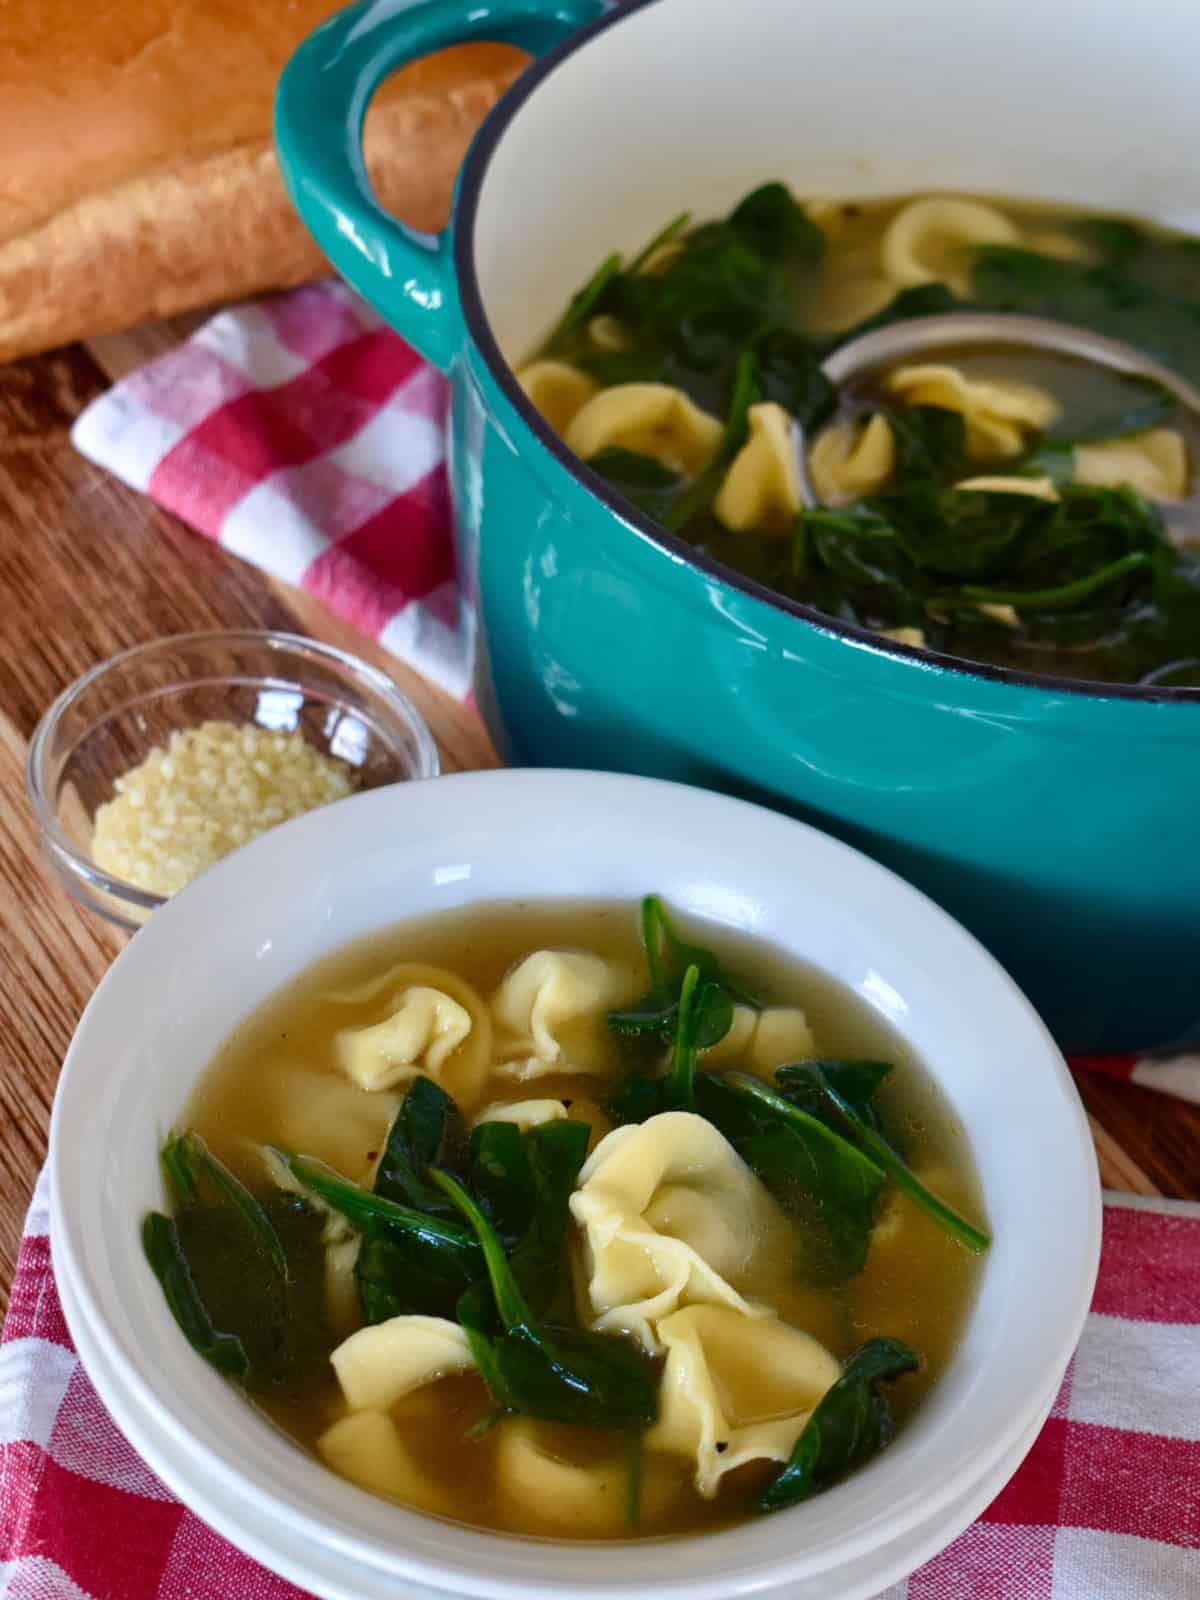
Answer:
(87, 567)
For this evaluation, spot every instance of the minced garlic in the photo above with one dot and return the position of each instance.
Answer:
(213, 788)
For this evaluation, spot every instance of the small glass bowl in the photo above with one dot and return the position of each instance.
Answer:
(110, 719)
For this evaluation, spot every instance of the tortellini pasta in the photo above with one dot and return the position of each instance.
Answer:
(761, 491)
(322, 1115)
(368, 1448)
(930, 241)
(435, 1024)
(760, 1041)
(565, 1496)
(525, 1113)
(1038, 488)
(671, 1216)
(382, 1363)
(651, 419)
(1001, 414)
(914, 637)
(546, 1008)
(735, 1389)
(609, 333)
(558, 390)
(852, 459)
(1155, 463)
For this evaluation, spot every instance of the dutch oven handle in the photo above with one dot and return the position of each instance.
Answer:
(322, 99)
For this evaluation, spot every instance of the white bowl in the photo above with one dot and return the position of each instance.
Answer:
(231, 939)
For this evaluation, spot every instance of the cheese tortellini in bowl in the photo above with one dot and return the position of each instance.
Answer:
(1022, 503)
(569, 1222)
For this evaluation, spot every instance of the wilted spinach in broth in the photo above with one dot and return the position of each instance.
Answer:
(997, 504)
(551, 1220)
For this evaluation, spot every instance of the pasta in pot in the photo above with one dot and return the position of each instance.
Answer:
(671, 1216)
(1039, 488)
(931, 239)
(1000, 414)
(651, 419)
(762, 487)
(766, 330)
(735, 1390)
(852, 459)
(1155, 463)
(558, 390)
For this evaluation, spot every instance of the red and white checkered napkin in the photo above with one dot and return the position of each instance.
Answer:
(1106, 1507)
(301, 433)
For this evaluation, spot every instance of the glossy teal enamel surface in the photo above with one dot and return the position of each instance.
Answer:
(1060, 827)
(319, 109)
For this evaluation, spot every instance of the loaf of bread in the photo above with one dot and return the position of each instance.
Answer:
(137, 175)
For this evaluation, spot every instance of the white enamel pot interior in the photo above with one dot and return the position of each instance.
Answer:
(222, 946)
(690, 103)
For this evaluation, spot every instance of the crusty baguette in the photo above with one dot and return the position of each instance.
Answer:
(137, 177)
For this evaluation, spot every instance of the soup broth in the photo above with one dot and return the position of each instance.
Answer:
(281, 1081)
(1002, 505)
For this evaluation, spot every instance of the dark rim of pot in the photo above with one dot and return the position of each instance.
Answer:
(470, 188)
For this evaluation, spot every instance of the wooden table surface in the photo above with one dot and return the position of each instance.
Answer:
(88, 567)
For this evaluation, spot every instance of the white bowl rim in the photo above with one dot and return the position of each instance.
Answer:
(469, 793)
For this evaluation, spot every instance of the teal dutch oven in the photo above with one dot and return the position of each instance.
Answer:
(1058, 821)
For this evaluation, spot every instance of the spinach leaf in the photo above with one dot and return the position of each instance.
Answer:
(816, 1175)
(1110, 298)
(867, 1136)
(931, 442)
(790, 374)
(280, 1324)
(856, 1082)
(664, 236)
(852, 1423)
(224, 1351)
(586, 301)
(1053, 455)
(501, 1179)
(523, 1182)
(712, 300)
(1063, 596)
(556, 1150)
(363, 1208)
(428, 1131)
(243, 1277)
(189, 1167)
(680, 1090)
(770, 220)
(408, 1261)
(637, 1097)
(668, 958)
(561, 1374)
